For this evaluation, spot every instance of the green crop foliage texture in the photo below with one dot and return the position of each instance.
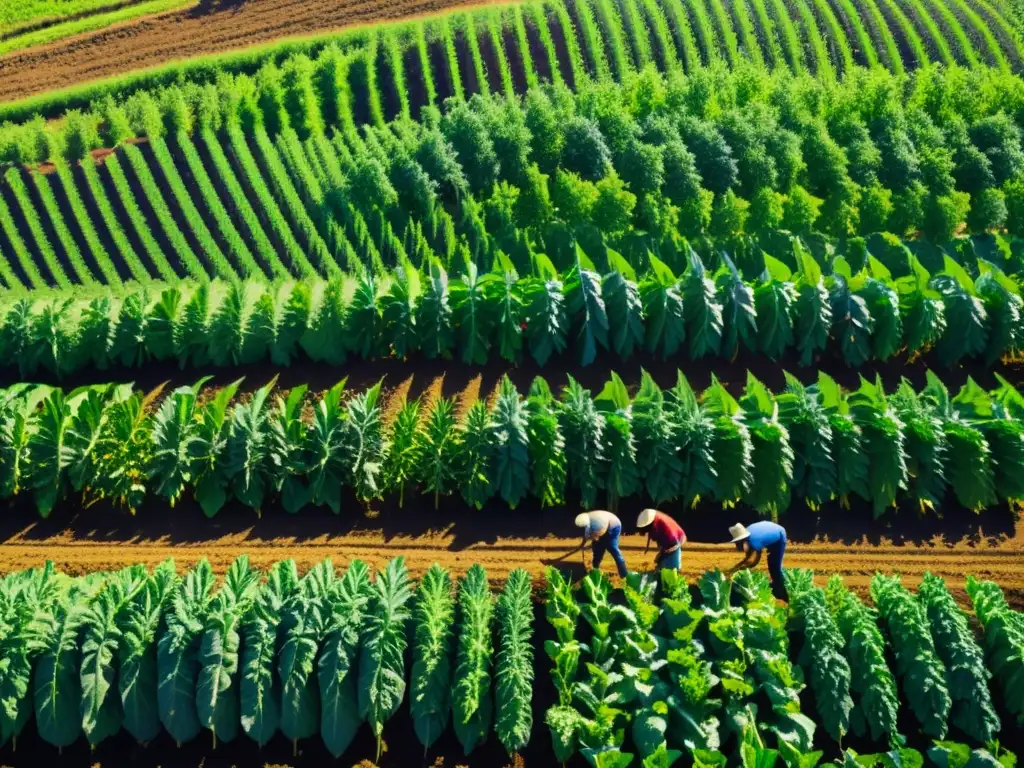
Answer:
(816, 443)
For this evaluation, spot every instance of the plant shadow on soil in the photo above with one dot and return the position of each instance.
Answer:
(464, 527)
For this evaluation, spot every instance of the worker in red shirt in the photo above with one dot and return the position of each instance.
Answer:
(667, 534)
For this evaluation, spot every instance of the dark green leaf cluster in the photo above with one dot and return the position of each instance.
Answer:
(822, 653)
(872, 683)
(291, 448)
(1004, 640)
(973, 711)
(917, 662)
(789, 307)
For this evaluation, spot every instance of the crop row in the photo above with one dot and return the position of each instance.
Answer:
(633, 167)
(405, 66)
(651, 666)
(815, 443)
(870, 309)
(661, 670)
(323, 654)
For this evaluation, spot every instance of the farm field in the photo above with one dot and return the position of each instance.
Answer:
(321, 324)
(184, 34)
(30, 25)
(607, 39)
(457, 537)
(200, 624)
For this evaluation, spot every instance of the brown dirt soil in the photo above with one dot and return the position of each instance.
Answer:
(189, 33)
(832, 542)
(991, 546)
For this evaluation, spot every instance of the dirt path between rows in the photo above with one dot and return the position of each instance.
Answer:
(995, 551)
(190, 33)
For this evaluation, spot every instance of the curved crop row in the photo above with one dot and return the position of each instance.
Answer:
(509, 180)
(595, 27)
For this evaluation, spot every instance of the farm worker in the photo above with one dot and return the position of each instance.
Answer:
(603, 528)
(667, 534)
(760, 536)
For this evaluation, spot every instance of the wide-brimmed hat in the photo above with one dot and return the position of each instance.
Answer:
(582, 520)
(738, 532)
(646, 518)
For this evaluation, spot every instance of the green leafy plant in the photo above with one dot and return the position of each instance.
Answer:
(472, 705)
(430, 697)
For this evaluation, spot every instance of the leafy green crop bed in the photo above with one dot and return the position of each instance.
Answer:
(341, 663)
(279, 179)
(872, 310)
(816, 444)
(725, 675)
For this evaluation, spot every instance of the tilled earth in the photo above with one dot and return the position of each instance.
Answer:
(831, 541)
(189, 33)
(502, 540)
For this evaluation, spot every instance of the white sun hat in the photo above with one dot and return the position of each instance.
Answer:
(738, 532)
(582, 520)
(646, 518)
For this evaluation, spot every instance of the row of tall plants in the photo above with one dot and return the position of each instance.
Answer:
(633, 167)
(630, 34)
(816, 444)
(259, 654)
(656, 667)
(859, 308)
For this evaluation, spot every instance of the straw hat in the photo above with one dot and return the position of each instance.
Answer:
(582, 520)
(646, 518)
(738, 532)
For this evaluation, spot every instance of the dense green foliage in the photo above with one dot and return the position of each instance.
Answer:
(648, 667)
(1004, 641)
(293, 448)
(793, 307)
(256, 653)
(603, 40)
(718, 158)
(654, 672)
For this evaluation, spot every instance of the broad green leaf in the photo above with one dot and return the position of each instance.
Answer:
(546, 317)
(774, 302)
(812, 319)
(625, 308)
(587, 312)
(339, 705)
(702, 311)
(431, 682)
(381, 681)
(739, 315)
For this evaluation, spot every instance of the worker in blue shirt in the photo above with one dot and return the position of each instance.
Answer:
(752, 541)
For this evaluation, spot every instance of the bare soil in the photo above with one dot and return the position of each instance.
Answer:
(834, 540)
(190, 33)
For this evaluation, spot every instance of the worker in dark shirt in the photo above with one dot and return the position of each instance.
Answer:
(752, 541)
(667, 534)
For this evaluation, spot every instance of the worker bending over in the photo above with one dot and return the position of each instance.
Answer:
(667, 534)
(603, 529)
(760, 536)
